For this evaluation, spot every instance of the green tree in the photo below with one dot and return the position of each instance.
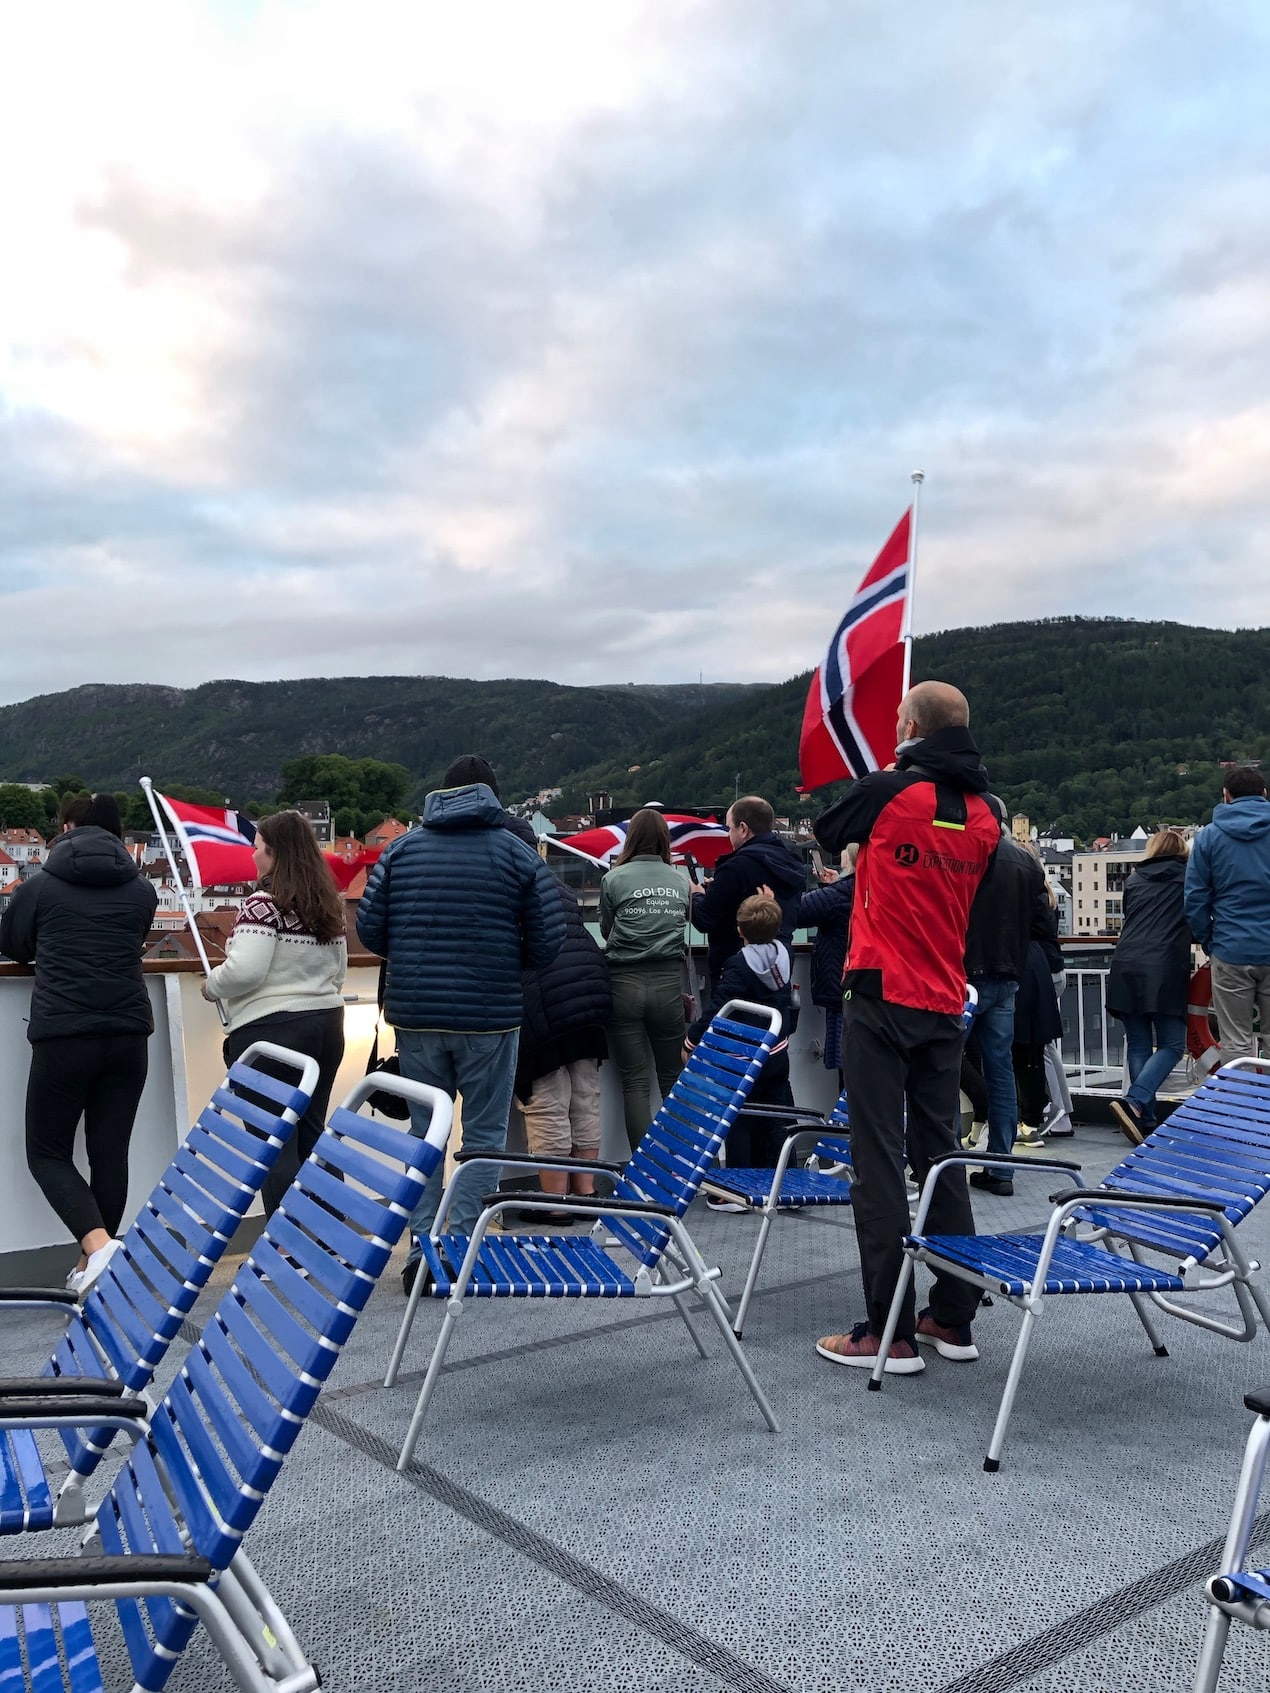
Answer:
(20, 808)
(368, 786)
(63, 785)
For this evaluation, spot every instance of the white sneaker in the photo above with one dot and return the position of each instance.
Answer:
(80, 1281)
(975, 1133)
(732, 1205)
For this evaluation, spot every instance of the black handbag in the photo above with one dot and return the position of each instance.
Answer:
(387, 1104)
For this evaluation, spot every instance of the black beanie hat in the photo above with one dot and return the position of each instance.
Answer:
(470, 768)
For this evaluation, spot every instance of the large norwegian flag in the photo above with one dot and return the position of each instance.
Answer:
(217, 844)
(849, 719)
(702, 837)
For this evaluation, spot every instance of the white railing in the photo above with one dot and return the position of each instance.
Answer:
(1093, 1041)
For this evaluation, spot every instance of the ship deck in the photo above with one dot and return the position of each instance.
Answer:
(592, 1506)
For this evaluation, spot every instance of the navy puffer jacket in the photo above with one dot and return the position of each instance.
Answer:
(458, 907)
(828, 911)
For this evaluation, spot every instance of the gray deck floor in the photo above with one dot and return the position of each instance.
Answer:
(594, 1507)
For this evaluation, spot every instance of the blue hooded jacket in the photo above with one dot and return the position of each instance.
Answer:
(1228, 883)
(458, 907)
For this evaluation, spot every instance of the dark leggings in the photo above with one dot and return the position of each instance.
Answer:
(755, 1142)
(98, 1078)
(974, 1087)
(313, 1034)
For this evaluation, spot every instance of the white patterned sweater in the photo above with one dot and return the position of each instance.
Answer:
(272, 963)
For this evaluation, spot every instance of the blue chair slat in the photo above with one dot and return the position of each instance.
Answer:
(125, 1302)
(206, 1146)
(370, 1171)
(285, 1095)
(194, 1195)
(1194, 1168)
(156, 1291)
(358, 1207)
(368, 1251)
(1077, 1266)
(799, 1187)
(641, 1174)
(1182, 1235)
(1251, 1584)
(26, 1501)
(834, 1148)
(187, 1247)
(528, 1266)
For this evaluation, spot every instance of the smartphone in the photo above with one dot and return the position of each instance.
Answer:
(817, 862)
(694, 869)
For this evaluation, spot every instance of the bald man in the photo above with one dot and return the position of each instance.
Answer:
(926, 837)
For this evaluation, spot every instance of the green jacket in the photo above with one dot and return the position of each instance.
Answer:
(643, 909)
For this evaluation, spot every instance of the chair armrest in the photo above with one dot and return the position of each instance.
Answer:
(93, 1572)
(789, 1112)
(57, 1387)
(1117, 1196)
(1259, 1401)
(583, 1203)
(584, 1164)
(38, 1296)
(989, 1160)
(84, 1409)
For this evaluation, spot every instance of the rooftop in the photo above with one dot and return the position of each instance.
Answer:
(592, 1507)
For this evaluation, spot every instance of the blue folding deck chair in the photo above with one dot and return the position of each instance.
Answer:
(135, 1309)
(825, 1179)
(166, 1541)
(1180, 1195)
(652, 1192)
(1239, 1594)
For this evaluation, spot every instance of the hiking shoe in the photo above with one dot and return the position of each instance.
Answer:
(717, 1203)
(956, 1343)
(1027, 1138)
(990, 1183)
(860, 1347)
(1129, 1118)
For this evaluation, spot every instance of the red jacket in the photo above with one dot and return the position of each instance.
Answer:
(927, 836)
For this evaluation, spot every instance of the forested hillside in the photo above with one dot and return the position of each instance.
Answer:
(1088, 725)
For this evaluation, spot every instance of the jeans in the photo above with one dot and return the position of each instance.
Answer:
(482, 1069)
(648, 1022)
(100, 1077)
(992, 1036)
(1149, 1070)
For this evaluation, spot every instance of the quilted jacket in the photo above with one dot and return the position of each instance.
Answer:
(458, 907)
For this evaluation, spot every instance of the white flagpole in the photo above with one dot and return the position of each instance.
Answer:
(906, 633)
(554, 841)
(148, 789)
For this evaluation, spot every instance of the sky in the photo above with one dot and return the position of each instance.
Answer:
(598, 340)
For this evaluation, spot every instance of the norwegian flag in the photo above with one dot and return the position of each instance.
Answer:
(217, 844)
(702, 837)
(849, 719)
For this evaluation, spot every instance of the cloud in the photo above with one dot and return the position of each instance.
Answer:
(594, 341)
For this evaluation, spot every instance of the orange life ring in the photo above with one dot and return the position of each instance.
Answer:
(1199, 1035)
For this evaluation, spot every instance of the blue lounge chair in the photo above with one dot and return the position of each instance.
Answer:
(1239, 1594)
(166, 1544)
(1180, 1195)
(652, 1192)
(133, 1312)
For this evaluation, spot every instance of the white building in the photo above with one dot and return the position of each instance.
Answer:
(1098, 880)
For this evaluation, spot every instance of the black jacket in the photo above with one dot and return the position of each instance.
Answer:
(567, 1003)
(1010, 909)
(764, 859)
(84, 923)
(828, 911)
(760, 974)
(1151, 966)
(1036, 1016)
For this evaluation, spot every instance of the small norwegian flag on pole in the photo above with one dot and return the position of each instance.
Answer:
(704, 837)
(217, 844)
(849, 719)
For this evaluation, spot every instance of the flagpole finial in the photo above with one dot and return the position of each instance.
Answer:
(918, 476)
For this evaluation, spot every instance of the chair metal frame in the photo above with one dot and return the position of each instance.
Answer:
(653, 1231)
(166, 1542)
(116, 1339)
(1091, 1246)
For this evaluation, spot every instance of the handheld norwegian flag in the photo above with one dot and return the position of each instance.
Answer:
(217, 844)
(849, 719)
(703, 837)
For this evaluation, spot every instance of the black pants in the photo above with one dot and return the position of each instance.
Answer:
(98, 1078)
(755, 1142)
(973, 1086)
(1030, 1083)
(313, 1034)
(894, 1055)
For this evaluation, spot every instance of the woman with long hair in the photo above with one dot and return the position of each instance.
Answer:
(1150, 977)
(643, 910)
(285, 964)
(83, 923)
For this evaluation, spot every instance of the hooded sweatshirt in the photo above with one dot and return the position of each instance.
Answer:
(758, 972)
(1228, 883)
(84, 923)
(926, 839)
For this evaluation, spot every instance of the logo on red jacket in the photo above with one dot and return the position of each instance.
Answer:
(907, 853)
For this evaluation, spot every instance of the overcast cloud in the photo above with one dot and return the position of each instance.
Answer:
(596, 340)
